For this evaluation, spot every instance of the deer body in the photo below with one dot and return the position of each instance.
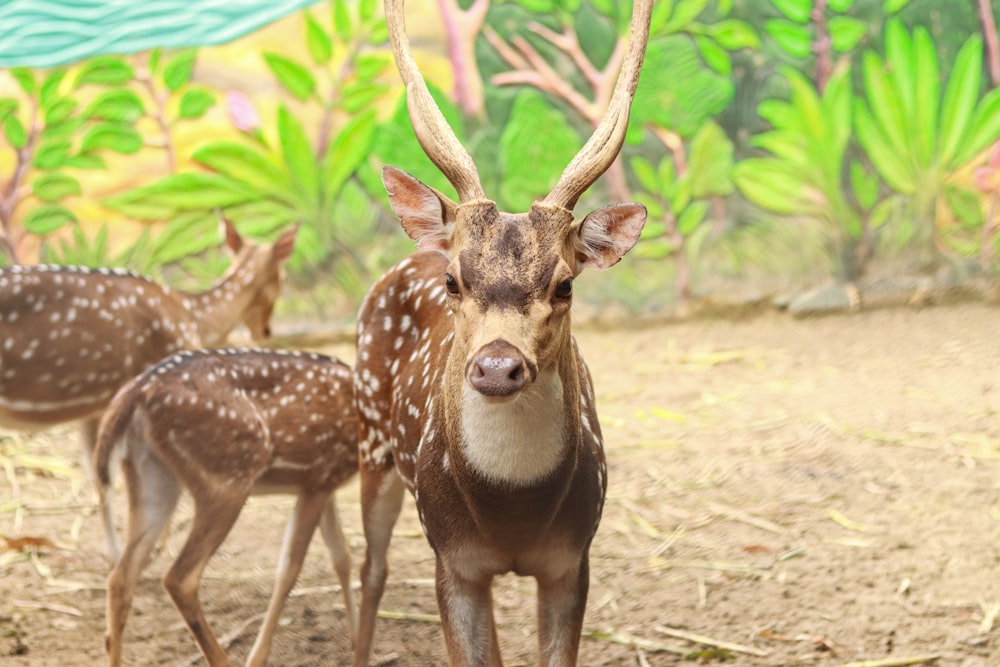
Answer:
(226, 424)
(471, 392)
(71, 337)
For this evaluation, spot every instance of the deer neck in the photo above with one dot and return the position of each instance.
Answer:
(521, 442)
(218, 309)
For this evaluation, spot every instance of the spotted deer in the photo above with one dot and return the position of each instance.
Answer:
(70, 337)
(470, 389)
(225, 424)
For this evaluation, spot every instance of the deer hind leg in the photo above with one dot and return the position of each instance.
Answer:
(381, 500)
(298, 533)
(336, 543)
(562, 601)
(152, 497)
(466, 607)
(212, 522)
(88, 435)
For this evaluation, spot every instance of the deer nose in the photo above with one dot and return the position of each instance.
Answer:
(498, 370)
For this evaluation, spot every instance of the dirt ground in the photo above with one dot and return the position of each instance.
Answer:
(820, 492)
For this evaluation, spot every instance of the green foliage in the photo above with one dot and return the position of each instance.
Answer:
(288, 174)
(807, 174)
(715, 40)
(676, 91)
(915, 134)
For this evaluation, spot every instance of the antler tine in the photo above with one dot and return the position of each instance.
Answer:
(606, 141)
(433, 132)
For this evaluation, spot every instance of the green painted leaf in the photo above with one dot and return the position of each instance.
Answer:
(841, 5)
(346, 152)
(293, 77)
(185, 235)
(714, 55)
(49, 89)
(14, 130)
(885, 107)
(298, 154)
(984, 129)
(685, 11)
(360, 95)
(735, 34)
(893, 6)
(121, 105)
(846, 32)
(104, 71)
(795, 10)
(195, 102)
(179, 69)
(370, 65)
(710, 162)
(692, 217)
(51, 187)
(960, 95)
(794, 39)
(115, 137)
(25, 79)
(86, 162)
(886, 159)
(52, 153)
(645, 173)
(318, 43)
(186, 191)
(46, 219)
(926, 96)
(342, 20)
(247, 164)
(536, 144)
(58, 110)
(367, 10)
(770, 184)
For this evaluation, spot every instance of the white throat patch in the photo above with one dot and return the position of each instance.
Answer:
(519, 441)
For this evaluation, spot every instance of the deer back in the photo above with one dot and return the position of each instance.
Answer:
(261, 420)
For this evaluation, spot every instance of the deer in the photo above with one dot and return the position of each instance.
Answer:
(225, 424)
(70, 337)
(472, 394)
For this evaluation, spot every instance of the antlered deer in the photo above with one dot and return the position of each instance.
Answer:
(71, 337)
(470, 389)
(225, 424)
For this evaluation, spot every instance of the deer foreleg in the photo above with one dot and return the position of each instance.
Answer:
(466, 607)
(562, 601)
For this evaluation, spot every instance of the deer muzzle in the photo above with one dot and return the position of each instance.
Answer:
(498, 369)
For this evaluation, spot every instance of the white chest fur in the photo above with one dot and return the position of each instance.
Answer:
(515, 442)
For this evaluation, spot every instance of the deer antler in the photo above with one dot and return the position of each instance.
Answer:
(433, 132)
(606, 141)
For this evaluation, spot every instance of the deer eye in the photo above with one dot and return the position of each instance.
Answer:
(450, 284)
(564, 290)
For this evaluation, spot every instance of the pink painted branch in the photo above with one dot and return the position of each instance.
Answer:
(990, 36)
(461, 28)
(567, 42)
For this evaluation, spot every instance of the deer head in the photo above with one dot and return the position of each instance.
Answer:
(509, 281)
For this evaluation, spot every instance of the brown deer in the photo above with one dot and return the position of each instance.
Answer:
(470, 389)
(225, 424)
(71, 337)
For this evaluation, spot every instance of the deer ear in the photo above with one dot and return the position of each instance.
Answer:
(283, 247)
(604, 236)
(428, 217)
(233, 239)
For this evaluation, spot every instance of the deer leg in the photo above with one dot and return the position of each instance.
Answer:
(88, 435)
(381, 499)
(152, 498)
(333, 535)
(298, 534)
(561, 605)
(466, 607)
(212, 522)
